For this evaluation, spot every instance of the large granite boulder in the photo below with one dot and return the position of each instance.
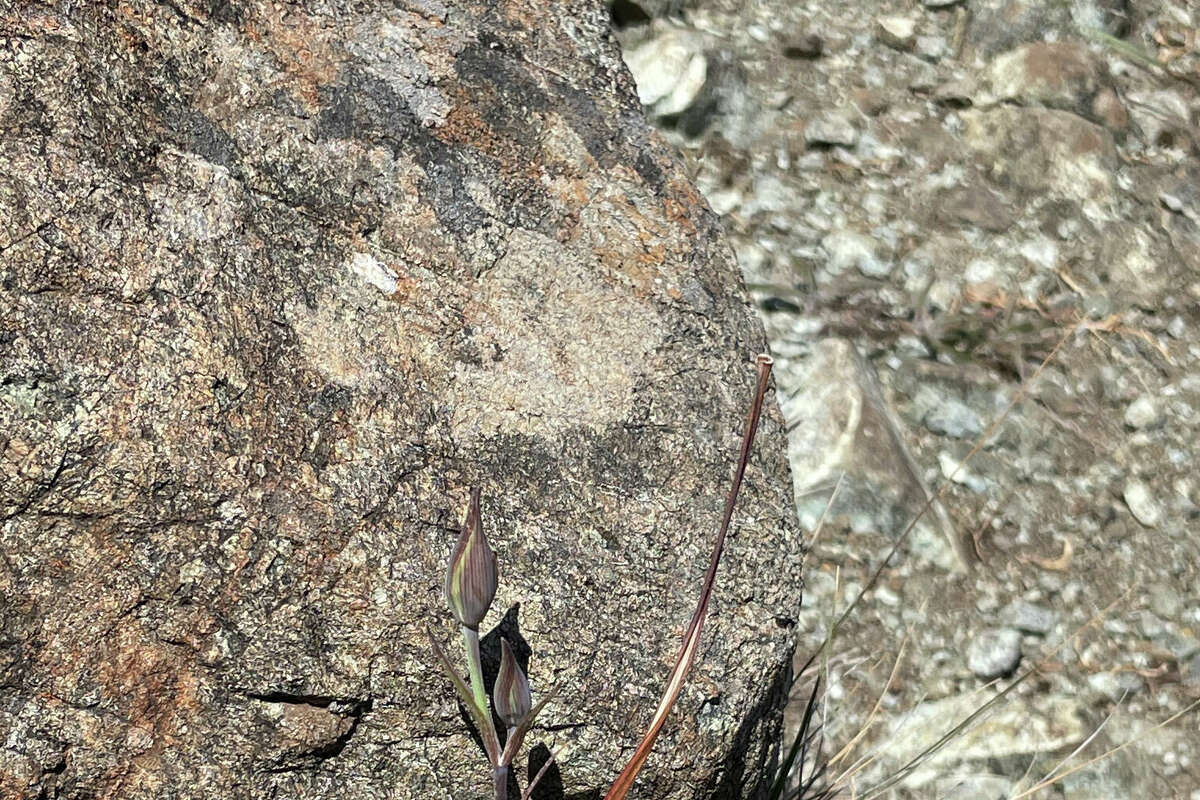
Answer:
(279, 283)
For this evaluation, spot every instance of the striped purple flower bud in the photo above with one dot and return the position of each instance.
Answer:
(511, 694)
(471, 578)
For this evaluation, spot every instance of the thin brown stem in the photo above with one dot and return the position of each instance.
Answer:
(764, 374)
(500, 782)
(525, 795)
(691, 639)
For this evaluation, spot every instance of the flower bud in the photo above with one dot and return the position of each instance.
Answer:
(471, 577)
(511, 693)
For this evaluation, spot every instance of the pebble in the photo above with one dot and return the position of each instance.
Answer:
(1097, 306)
(981, 270)
(758, 33)
(831, 129)
(1181, 648)
(850, 250)
(933, 48)
(1116, 685)
(1029, 618)
(886, 596)
(1150, 626)
(669, 71)
(987, 603)
(953, 470)
(954, 418)
(1165, 602)
(896, 31)
(1144, 412)
(924, 77)
(1142, 505)
(873, 102)
(994, 653)
(1171, 202)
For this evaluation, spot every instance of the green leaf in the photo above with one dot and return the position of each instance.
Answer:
(482, 721)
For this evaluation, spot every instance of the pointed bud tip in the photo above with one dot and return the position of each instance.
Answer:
(471, 579)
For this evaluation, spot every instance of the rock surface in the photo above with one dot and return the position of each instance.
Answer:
(280, 282)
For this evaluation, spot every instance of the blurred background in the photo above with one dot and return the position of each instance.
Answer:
(973, 232)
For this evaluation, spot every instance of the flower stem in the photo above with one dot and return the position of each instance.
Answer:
(500, 780)
(475, 667)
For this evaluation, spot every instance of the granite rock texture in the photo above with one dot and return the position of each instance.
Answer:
(279, 283)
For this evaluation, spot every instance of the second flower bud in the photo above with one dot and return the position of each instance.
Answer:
(511, 695)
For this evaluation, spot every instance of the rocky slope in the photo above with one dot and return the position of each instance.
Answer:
(930, 198)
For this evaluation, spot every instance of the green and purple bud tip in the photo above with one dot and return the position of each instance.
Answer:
(471, 579)
(511, 694)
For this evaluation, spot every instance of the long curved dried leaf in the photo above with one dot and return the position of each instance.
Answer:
(691, 640)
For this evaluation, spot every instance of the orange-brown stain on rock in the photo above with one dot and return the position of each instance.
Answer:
(658, 241)
(466, 126)
(680, 205)
(572, 197)
(150, 682)
(520, 15)
(38, 23)
(304, 48)
(1086, 141)
(1056, 63)
(148, 688)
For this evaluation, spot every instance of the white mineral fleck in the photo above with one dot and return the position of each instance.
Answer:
(369, 269)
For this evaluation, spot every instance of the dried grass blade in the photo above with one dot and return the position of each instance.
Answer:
(916, 761)
(1106, 754)
(935, 497)
(528, 793)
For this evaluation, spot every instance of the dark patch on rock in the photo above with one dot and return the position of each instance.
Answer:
(365, 107)
(505, 91)
(200, 135)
